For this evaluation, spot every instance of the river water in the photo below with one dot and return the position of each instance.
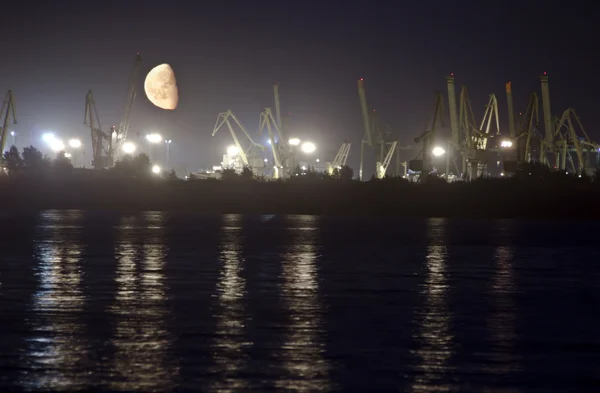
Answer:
(174, 302)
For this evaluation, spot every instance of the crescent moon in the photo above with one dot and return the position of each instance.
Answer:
(161, 87)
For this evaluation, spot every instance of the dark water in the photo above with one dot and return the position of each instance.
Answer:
(159, 302)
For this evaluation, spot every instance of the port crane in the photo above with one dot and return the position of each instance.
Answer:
(280, 147)
(427, 137)
(250, 155)
(101, 142)
(8, 109)
(377, 135)
(340, 158)
(122, 131)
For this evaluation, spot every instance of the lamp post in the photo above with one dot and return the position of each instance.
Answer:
(75, 144)
(168, 143)
(152, 139)
(14, 138)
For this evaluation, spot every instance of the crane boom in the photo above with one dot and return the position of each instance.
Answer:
(246, 154)
(124, 125)
(101, 142)
(8, 108)
(340, 158)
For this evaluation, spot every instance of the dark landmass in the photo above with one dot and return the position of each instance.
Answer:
(479, 199)
(32, 182)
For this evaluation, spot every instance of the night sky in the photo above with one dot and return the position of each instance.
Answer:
(228, 54)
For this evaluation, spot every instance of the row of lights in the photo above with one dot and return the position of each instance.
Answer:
(440, 151)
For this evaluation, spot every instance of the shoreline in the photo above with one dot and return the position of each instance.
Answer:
(486, 200)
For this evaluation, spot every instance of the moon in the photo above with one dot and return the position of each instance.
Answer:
(161, 87)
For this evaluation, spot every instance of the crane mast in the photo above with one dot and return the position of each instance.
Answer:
(101, 142)
(8, 108)
(280, 148)
(124, 125)
(376, 135)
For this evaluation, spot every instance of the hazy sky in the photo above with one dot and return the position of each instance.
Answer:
(228, 54)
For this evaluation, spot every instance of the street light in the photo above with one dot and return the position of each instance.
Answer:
(308, 147)
(53, 142)
(75, 143)
(506, 144)
(294, 141)
(128, 148)
(154, 138)
(13, 134)
(232, 151)
(156, 169)
(438, 151)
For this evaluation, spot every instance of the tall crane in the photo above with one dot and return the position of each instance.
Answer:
(250, 155)
(340, 158)
(491, 114)
(8, 108)
(529, 125)
(101, 142)
(428, 136)
(377, 135)
(280, 147)
(121, 132)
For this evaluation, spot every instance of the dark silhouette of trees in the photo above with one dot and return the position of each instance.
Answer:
(12, 159)
(128, 166)
(34, 160)
(62, 165)
(247, 174)
(229, 174)
(171, 175)
(345, 173)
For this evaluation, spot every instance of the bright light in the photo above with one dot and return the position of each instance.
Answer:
(128, 147)
(294, 141)
(269, 141)
(68, 155)
(438, 151)
(506, 144)
(232, 151)
(303, 168)
(168, 141)
(12, 133)
(318, 160)
(308, 147)
(75, 143)
(266, 160)
(53, 142)
(154, 138)
(156, 169)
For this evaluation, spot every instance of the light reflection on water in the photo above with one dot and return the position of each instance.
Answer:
(303, 275)
(229, 338)
(57, 349)
(302, 354)
(501, 324)
(141, 337)
(434, 338)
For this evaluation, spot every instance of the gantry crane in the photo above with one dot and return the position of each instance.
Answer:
(101, 141)
(250, 155)
(121, 132)
(8, 108)
(340, 158)
(377, 135)
(568, 140)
